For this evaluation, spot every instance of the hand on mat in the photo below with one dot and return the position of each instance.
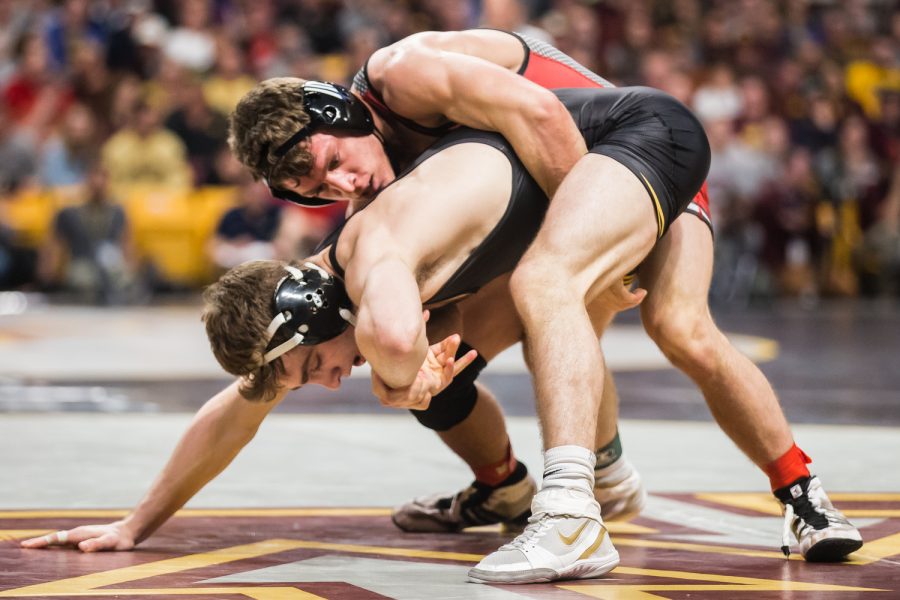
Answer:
(87, 538)
(438, 370)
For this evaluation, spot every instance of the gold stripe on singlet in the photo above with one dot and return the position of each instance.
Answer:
(660, 217)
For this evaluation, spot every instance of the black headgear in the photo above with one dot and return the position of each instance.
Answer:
(328, 105)
(313, 305)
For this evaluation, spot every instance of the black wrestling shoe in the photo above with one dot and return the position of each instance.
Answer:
(508, 503)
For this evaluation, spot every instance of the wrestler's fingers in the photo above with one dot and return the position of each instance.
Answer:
(448, 347)
(107, 541)
(426, 314)
(451, 344)
(447, 371)
(464, 361)
(57, 538)
(36, 542)
(637, 296)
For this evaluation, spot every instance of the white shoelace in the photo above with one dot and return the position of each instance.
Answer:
(537, 525)
(786, 529)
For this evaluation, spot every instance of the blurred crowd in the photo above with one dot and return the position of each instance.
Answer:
(800, 99)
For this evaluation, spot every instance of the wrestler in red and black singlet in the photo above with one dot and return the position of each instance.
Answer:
(543, 64)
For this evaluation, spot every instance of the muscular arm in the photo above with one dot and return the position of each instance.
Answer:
(219, 430)
(431, 76)
(390, 330)
(401, 249)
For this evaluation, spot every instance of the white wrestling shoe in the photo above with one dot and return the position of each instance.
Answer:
(824, 533)
(565, 539)
(508, 504)
(620, 491)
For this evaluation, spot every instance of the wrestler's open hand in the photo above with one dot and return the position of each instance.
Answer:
(438, 370)
(87, 538)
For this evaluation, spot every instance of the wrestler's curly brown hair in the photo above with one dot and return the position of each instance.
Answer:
(237, 311)
(266, 117)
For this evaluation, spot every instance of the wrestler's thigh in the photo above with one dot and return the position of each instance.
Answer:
(490, 323)
(678, 272)
(600, 225)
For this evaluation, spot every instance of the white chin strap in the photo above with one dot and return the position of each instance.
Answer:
(283, 317)
(289, 344)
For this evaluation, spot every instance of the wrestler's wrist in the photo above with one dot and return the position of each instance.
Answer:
(130, 527)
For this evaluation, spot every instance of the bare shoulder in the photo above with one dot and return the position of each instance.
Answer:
(468, 172)
(459, 193)
(412, 53)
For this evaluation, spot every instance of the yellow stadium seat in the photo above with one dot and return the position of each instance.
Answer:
(30, 215)
(162, 223)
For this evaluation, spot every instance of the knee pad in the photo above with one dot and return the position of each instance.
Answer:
(456, 402)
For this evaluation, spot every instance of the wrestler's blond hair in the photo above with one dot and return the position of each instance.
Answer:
(265, 118)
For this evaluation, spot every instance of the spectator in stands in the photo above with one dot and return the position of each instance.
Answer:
(258, 22)
(718, 97)
(786, 210)
(192, 44)
(246, 231)
(758, 65)
(511, 15)
(851, 175)
(89, 253)
(33, 96)
(229, 80)
(18, 154)
(818, 128)
(146, 154)
(202, 130)
(66, 156)
(14, 20)
(70, 24)
(755, 112)
(93, 84)
(878, 256)
(262, 228)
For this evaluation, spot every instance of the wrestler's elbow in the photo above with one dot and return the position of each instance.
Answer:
(399, 342)
(543, 110)
(394, 340)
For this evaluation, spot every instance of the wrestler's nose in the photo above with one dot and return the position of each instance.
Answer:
(331, 378)
(345, 183)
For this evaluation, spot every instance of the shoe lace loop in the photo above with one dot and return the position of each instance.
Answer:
(537, 525)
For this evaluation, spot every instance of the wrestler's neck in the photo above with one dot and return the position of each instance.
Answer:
(322, 260)
(383, 129)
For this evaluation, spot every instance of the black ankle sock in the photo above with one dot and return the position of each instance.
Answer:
(517, 475)
(609, 453)
(784, 493)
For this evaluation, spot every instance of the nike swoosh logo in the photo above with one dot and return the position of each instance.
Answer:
(568, 540)
(593, 547)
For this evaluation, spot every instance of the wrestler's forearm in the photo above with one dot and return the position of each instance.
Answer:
(222, 427)
(548, 144)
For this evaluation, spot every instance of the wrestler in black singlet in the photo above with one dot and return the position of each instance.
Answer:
(502, 248)
(646, 130)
